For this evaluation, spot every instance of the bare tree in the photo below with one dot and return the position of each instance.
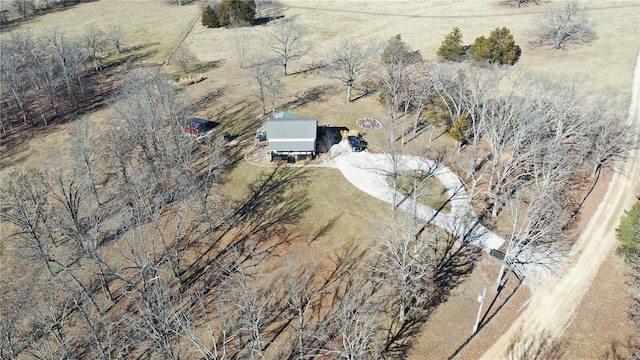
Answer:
(348, 62)
(115, 34)
(610, 140)
(241, 42)
(183, 57)
(25, 206)
(95, 42)
(535, 238)
(287, 42)
(405, 265)
(267, 8)
(13, 79)
(24, 7)
(267, 77)
(356, 323)
(562, 26)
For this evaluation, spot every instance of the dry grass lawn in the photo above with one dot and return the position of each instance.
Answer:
(606, 63)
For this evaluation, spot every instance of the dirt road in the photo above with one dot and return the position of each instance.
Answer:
(551, 309)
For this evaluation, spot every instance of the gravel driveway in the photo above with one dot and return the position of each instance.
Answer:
(368, 172)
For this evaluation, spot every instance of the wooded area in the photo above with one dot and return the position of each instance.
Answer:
(133, 248)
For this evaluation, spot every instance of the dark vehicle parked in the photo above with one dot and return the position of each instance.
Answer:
(357, 143)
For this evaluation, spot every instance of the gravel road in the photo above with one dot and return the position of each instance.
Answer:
(551, 309)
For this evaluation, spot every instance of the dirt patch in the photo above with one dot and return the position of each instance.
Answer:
(449, 330)
(600, 329)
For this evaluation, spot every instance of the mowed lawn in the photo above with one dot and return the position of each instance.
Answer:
(156, 27)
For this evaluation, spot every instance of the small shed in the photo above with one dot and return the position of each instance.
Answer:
(291, 136)
(198, 126)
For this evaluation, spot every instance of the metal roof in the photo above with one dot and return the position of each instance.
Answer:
(284, 115)
(292, 134)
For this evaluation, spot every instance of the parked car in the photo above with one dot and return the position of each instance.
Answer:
(357, 143)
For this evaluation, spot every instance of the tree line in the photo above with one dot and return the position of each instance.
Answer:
(51, 75)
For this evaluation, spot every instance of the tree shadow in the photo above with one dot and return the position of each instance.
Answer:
(536, 346)
(329, 136)
(313, 68)
(207, 66)
(266, 19)
(486, 320)
(302, 98)
(256, 226)
(454, 262)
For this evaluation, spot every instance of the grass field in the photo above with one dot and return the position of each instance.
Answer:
(156, 27)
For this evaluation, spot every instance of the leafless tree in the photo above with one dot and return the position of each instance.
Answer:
(424, 91)
(24, 7)
(356, 322)
(287, 42)
(51, 314)
(41, 70)
(150, 114)
(25, 206)
(535, 238)
(116, 35)
(183, 57)
(610, 139)
(69, 58)
(348, 62)
(255, 301)
(267, 8)
(13, 79)
(213, 332)
(85, 151)
(95, 42)
(267, 77)
(404, 264)
(562, 26)
(241, 42)
(274, 87)
(15, 327)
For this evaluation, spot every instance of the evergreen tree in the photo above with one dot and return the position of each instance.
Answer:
(236, 12)
(451, 48)
(480, 50)
(503, 47)
(210, 17)
(499, 47)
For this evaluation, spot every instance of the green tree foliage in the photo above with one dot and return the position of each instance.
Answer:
(498, 48)
(480, 50)
(628, 234)
(503, 47)
(210, 17)
(229, 12)
(452, 48)
(233, 12)
(459, 129)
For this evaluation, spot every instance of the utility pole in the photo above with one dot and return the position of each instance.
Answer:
(481, 301)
